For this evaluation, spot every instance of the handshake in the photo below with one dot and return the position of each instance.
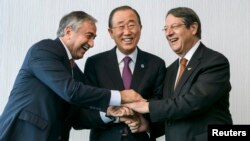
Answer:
(131, 110)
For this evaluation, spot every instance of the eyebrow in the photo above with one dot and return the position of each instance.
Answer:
(130, 21)
(90, 33)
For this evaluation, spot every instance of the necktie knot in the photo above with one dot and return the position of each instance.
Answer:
(183, 61)
(126, 60)
(72, 63)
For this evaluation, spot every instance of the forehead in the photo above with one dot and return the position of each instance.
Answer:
(171, 19)
(87, 27)
(123, 16)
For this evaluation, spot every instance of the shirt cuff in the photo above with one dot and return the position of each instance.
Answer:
(104, 118)
(115, 99)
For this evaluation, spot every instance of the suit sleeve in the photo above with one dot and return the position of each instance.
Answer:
(157, 128)
(49, 67)
(87, 119)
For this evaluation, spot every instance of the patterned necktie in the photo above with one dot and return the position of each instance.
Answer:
(126, 73)
(183, 63)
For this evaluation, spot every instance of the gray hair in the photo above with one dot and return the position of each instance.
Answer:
(73, 19)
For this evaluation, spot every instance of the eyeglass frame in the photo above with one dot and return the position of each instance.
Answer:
(130, 26)
(173, 27)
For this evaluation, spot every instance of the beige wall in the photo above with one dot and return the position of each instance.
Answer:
(225, 28)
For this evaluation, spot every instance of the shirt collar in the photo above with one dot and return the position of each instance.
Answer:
(120, 55)
(67, 50)
(190, 53)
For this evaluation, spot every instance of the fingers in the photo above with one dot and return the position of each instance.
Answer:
(128, 96)
(133, 122)
(136, 123)
(140, 107)
(114, 111)
(118, 111)
(127, 111)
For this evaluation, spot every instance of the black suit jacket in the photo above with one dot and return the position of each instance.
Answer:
(201, 97)
(39, 103)
(102, 70)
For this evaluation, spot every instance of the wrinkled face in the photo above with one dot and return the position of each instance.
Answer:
(125, 30)
(180, 38)
(78, 42)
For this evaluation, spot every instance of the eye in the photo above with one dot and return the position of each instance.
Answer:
(121, 27)
(90, 36)
(131, 26)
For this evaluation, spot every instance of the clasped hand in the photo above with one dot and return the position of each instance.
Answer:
(135, 121)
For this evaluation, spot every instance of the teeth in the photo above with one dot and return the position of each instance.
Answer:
(85, 47)
(127, 40)
(173, 40)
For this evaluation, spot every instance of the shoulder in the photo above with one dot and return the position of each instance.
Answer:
(102, 57)
(47, 46)
(213, 55)
(149, 57)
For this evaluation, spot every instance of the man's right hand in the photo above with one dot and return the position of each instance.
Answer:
(128, 96)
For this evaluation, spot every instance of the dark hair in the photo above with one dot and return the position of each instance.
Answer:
(189, 17)
(125, 7)
(73, 19)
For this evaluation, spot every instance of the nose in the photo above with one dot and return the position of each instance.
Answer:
(169, 31)
(126, 30)
(91, 42)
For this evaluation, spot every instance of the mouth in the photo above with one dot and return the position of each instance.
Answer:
(85, 47)
(173, 40)
(127, 39)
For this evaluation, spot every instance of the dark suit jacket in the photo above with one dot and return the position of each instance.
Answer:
(102, 70)
(201, 97)
(39, 103)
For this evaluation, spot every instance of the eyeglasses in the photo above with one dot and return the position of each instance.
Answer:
(129, 26)
(173, 27)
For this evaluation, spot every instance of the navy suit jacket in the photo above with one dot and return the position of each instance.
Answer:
(200, 98)
(43, 92)
(102, 70)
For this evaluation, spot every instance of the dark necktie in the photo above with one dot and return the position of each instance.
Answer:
(183, 63)
(126, 73)
(72, 63)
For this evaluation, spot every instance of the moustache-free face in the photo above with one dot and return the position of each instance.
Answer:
(85, 47)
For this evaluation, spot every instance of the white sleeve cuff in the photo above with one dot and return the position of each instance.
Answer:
(115, 99)
(104, 118)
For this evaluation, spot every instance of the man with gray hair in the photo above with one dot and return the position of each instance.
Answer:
(49, 83)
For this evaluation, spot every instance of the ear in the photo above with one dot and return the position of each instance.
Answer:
(194, 28)
(68, 31)
(111, 33)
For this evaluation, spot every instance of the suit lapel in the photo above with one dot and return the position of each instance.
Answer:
(169, 81)
(139, 70)
(65, 56)
(192, 65)
(112, 69)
